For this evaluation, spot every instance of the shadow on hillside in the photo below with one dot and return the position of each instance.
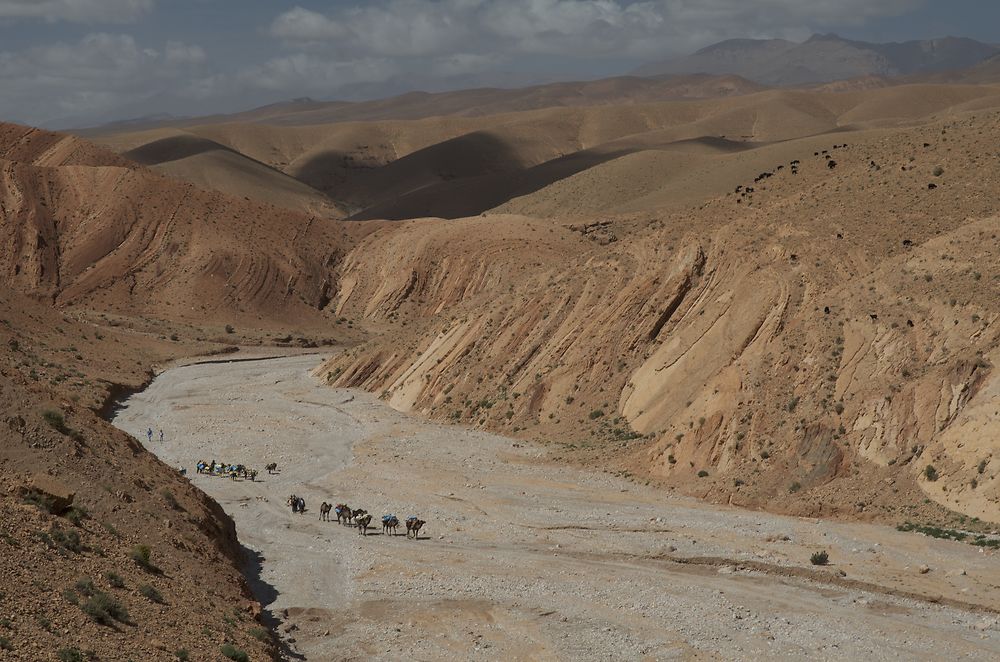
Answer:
(265, 594)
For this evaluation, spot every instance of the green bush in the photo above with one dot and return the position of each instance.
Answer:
(260, 634)
(151, 593)
(56, 420)
(69, 655)
(794, 487)
(702, 473)
(234, 653)
(142, 555)
(5, 644)
(76, 515)
(104, 609)
(931, 473)
(68, 540)
(819, 558)
(85, 586)
(114, 579)
(182, 654)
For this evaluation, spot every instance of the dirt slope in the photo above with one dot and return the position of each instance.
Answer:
(88, 229)
(56, 372)
(802, 355)
(456, 166)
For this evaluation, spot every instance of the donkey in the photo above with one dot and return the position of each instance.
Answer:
(293, 501)
(324, 511)
(389, 524)
(360, 512)
(413, 524)
(363, 523)
(272, 467)
(343, 513)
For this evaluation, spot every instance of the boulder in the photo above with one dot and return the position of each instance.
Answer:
(53, 493)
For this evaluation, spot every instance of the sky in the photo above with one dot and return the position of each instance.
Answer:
(73, 63)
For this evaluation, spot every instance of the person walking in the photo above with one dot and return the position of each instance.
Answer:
(149, 435)
(161, 436)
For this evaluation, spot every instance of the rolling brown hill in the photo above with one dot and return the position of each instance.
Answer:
(84, 227)
(457, 166)
(813, 346)
(783, 300)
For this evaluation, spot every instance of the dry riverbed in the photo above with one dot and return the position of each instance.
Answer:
(522, 559)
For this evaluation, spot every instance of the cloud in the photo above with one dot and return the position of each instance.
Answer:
(574, 28)
(95, 75)
(78, 11)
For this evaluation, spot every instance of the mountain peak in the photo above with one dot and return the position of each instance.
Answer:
(830, 36)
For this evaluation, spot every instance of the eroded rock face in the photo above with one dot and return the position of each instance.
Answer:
(803, 354)
(56, 496)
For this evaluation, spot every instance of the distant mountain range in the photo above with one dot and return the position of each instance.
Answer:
(825, 58)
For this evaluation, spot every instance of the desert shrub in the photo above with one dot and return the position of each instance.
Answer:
(182, 654)
(150, 593)
(234, 653)
(764, 455)
(114, 579)
(793, 403)
(230, 329)
(55, 420)
(595, 414)
(931, 473)
(142, 555)
(69, 655)
(68, 540)
(85, 586)
(70, 596)
(260, 634)
(982, 466)
(839, 407)
(795, 487)
(819, 558)
(5, 644)
(104, 609)
(76, 515)
(938, 171)
(702, 473)
(39, 500)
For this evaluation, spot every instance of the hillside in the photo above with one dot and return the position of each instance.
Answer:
(455, 167)
(85, 228)
(69, 578)
(801, 355)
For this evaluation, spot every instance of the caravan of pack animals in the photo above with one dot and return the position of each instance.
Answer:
(354, 517)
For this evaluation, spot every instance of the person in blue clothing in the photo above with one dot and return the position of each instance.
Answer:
(149, 434)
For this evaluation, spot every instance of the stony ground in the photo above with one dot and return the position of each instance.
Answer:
(525, 559)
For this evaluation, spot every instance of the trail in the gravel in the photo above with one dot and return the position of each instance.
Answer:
(525, 559)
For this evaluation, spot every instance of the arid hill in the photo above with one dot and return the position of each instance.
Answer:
(821, 339)
(81, 503)
(459, 166)
(785, 299)
(84, 227)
